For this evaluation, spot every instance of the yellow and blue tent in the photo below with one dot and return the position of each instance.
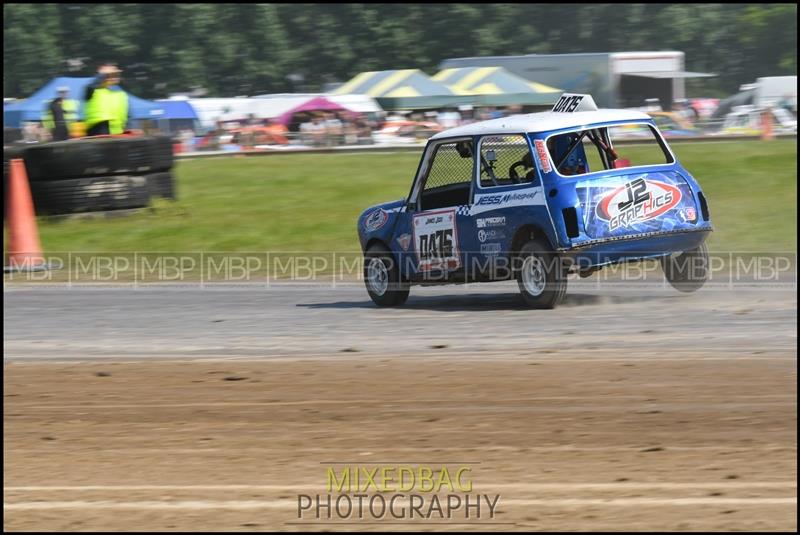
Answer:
(495, 86)
(402, 89)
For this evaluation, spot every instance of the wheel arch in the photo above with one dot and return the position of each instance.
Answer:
(374, 241)
(525, 232)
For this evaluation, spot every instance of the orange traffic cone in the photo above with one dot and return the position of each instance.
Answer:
(24, 248)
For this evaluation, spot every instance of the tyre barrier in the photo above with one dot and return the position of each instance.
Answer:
(96, 174)
(98, 157)
(90, 194)
(162, 185)
(10, 135)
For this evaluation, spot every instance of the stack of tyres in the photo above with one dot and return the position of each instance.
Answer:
(99, 174)
(90, 194)
(11, 135)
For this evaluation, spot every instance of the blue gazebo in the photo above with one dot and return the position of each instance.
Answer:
(32, 108)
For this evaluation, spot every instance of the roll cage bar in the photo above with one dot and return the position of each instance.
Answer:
(599, 137)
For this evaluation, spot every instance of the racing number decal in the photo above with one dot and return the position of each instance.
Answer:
(438, 244)
(436, 240)
(567, 103)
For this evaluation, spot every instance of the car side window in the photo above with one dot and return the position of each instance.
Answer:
(505, 160)
(449, 176)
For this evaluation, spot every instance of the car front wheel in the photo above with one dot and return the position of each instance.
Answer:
(382, 277)
(541, 276)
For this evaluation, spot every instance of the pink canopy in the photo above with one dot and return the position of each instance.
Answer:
(315, 104)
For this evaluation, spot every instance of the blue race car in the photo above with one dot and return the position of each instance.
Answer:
(534, 197)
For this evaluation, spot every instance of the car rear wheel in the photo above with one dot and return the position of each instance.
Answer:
(687, 271)
(382, 277)
(541, 276)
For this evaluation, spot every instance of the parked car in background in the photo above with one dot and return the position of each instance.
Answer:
(748, 120)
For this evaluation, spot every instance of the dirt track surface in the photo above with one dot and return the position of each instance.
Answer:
(161, 409)
(567, 443)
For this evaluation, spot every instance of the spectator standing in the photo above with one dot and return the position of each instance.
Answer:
(333, 130)
(106, 108)
(449, 118)
(514, 109)
(467, 114)
(60, 114)
(317, 130)
(365, 127)
(350, 133)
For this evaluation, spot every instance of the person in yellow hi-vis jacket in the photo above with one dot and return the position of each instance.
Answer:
(59, 115)
(106, 108)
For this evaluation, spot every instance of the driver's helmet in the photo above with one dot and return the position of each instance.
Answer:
(576, 162)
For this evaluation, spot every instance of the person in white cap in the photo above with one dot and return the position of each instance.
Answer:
(59, 115)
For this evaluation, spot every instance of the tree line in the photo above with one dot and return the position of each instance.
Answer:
(248, 49)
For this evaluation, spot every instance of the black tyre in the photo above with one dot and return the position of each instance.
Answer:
(71, 159)
(687, 271)
(98, 157)
(382, 277)
(162, 185)
(10, 135)
(541, 275)
(91, 194)
(161, 154)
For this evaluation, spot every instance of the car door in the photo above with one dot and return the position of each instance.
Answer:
(438, 211)
(507, 193)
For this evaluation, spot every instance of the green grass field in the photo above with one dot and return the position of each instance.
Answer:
(311, 202)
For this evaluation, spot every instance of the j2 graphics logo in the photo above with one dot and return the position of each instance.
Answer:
(397, 493)
(637, 201)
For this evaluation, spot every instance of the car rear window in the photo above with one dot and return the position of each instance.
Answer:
(597, 149)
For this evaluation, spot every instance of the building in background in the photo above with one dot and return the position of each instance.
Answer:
(614, 79)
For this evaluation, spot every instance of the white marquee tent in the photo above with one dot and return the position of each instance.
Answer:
(211, 110)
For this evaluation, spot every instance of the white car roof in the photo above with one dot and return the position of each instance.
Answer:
(542, 122)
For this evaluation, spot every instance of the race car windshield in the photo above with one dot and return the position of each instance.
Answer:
(599, 149)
